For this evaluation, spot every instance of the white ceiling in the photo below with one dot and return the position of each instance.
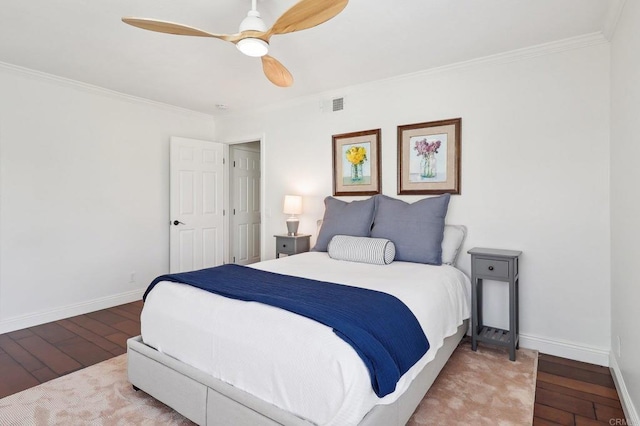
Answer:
(370, 40)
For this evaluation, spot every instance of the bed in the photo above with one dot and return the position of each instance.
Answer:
(223, 361)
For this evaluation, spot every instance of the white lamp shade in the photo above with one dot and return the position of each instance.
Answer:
(292, 204)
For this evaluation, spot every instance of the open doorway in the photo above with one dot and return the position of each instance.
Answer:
(244, 203)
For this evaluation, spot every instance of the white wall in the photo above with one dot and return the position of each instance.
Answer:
(535, 173)
(625, 206)
(84, 195)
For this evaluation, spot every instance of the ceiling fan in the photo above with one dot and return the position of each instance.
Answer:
(253, 36)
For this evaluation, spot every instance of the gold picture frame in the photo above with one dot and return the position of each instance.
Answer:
(356, 163)
(429, 157)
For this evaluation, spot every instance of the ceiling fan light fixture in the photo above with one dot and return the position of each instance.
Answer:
(253, 47)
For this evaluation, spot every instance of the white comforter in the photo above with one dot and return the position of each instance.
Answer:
(293, 362)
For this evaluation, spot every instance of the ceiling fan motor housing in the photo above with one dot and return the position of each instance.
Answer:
(253, 22)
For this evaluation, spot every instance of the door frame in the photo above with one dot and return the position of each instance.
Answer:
(227, 218)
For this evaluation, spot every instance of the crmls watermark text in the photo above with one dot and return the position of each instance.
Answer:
(619, 422)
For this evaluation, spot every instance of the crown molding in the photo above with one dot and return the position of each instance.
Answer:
(522, 54)
(515, 55)
(613, 16)
(67, 82)
(578, 42)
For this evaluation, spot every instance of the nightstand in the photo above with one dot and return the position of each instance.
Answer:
(496, 265)
(292, 244)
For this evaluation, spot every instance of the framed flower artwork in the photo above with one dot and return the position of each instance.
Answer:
(429, 157)
(356, 163)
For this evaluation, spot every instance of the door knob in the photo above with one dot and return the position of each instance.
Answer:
(177, 222)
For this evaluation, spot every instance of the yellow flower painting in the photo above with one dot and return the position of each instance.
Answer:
(357, 155)
(356, 163)
(356, 169)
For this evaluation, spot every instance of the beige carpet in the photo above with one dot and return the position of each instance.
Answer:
(474, 388)
(481, 388)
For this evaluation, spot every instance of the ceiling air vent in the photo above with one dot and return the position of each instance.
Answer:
(338, 104)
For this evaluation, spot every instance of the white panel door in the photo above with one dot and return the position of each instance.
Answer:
(196, 238)
(245, 203)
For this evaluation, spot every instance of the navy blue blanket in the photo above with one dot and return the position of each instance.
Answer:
(379, 327)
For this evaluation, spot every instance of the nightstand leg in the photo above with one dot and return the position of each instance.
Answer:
(480, 302)
(513, 313)
(518, 312)
(475, 313)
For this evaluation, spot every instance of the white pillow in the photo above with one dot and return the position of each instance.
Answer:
(377, 251)
(452, 242)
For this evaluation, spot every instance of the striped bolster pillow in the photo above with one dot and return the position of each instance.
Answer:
(378, 251)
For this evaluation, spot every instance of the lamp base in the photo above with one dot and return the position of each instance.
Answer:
(292, 226)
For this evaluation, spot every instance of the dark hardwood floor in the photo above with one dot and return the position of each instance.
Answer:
(38, 354)
(567, 392)
(575, 393)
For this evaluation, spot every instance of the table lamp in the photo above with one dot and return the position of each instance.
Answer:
(292, 206)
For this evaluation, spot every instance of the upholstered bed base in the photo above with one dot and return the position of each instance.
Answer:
(209, 401)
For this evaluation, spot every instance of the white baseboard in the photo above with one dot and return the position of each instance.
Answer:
(24, 321)
(630, 411)
(590, 354)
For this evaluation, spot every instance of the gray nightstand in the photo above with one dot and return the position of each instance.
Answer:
(496, 265)
(292, 244)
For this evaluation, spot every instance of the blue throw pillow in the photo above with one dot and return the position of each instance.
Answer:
(416, 229)
(342, 218)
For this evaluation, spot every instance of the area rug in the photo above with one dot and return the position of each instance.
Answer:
(481, 388)
(474, 388)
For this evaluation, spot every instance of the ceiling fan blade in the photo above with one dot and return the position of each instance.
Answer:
(276, 72)
(307, 14)
(173, 28)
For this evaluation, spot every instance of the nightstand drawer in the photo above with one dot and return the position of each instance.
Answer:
(287, 246)
(491, 268)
